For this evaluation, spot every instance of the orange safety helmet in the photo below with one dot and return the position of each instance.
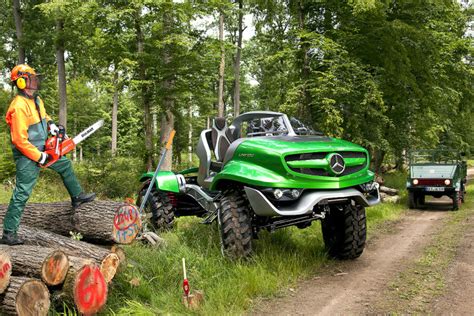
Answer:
(20, 73)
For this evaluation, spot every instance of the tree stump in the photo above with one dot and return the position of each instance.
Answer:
(25, 297)
(38, 262)
(108, 261)
(5, 270)
(95, 221)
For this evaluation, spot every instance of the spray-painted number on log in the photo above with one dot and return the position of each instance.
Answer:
(127, 224)
(5, 268)
(91, 290)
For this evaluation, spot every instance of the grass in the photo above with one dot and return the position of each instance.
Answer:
(416, 288)
(281, 260)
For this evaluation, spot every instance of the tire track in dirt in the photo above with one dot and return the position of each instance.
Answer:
(338, 293)
(349, 287)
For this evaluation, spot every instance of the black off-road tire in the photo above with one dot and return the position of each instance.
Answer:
(235, 225)
(412, 200)
(457, 201)
(421, 200)
(160, 207)
(344, 231)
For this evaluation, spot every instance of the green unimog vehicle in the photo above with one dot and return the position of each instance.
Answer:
(436, 173)
(264, 172)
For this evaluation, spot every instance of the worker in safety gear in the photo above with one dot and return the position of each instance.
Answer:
(29, 126)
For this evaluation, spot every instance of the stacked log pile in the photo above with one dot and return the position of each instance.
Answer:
(52, 267)
(387, 194)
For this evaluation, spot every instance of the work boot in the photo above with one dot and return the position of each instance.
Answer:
(11, 239)
(82, 198)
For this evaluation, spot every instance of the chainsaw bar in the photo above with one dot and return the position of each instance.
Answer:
(88, 132)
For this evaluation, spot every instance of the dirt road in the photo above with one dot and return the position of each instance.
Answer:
(357, 287)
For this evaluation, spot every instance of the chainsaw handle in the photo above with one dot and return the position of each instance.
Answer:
(170, 140)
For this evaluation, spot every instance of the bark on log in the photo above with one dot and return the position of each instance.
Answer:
(25, 297)
(38, 262)
(108, 261)
(388, 190)
(85, 286)
(5, 270)
(95, 221)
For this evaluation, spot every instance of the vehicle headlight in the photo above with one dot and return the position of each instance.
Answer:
(295, 193)
(282, 194)
(278, 194)
(415, 181)
(447, 182)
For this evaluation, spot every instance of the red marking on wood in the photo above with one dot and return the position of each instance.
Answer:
(90, 293)
(54, 265)
(5, 267)
(126, 217)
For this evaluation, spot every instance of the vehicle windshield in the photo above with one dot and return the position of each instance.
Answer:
(301, 129)
(434, 157)
(266, 126)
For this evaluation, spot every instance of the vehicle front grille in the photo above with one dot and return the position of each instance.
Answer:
(324, 171)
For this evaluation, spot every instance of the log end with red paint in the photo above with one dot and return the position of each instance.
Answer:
(90, 290)
(5, 271)
(127, 224)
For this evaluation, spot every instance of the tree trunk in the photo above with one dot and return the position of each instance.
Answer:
(190, 135)
(5, 270)
(146, 102)
(109, 261)
(61, 73)
(237, 62)
(220, 97)
(115, 114)
(19, 31)
(167, 125)
(38, 262)
(25, 297)
(85, 286)
(95, 221)
(304, 110)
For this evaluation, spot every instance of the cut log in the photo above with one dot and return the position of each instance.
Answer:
(98, 221)
(25, 297)
(5, 270)
(388, 190)
(38, 262)
(108, 261)
(85, 286)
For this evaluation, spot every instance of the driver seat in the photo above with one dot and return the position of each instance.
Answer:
(222, 137)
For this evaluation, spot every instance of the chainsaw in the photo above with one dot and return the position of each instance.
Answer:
(59, 145)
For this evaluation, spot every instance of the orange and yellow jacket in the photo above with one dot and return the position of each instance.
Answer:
(28, 130)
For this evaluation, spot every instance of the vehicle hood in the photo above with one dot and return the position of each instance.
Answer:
(291, 144)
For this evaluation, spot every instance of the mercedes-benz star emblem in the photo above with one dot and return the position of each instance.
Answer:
(337, 164)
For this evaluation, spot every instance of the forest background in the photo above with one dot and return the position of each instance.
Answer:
(389, 75)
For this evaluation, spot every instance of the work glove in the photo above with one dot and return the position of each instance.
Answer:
(53, 128)
(43, 159)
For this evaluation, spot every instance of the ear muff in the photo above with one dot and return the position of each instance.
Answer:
(21, 83)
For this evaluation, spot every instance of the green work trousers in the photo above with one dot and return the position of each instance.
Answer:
(27, 172)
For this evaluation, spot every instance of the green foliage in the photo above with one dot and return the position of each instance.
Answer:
(109, 177)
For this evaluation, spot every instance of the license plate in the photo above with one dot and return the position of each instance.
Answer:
(434, 189)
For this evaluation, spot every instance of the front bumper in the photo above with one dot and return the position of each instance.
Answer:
(262, 206)
(426, 191)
